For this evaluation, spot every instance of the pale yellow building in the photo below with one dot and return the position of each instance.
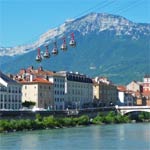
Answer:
(104, 92)
(39, 91)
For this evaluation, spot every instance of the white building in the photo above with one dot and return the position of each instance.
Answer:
(124, 97)
(78, 90)
(10, 93)
(134, 86)
(71, 90)
(58, 81)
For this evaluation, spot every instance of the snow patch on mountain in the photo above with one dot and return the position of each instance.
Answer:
(93, 22)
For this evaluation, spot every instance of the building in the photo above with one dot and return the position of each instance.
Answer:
(104, 92)
(25, 74)
(38, 90)
(146, 84)
(78, 90)
(125, 97)
(10, 93)
(58, 81)
(135, 86)
(71, 90)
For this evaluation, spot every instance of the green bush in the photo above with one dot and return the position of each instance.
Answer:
(122, 119)
(5, 125)
(144, 116)
(68, 121)
(28, 103)
(83, 120)
(50, 122)
(110, 117)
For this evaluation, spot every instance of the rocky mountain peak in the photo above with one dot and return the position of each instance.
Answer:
(93, 22)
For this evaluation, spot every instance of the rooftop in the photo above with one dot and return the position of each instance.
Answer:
(36, 80)
(7, 79)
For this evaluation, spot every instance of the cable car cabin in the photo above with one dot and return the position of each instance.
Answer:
(38, 58)
(63, 47)
(72, 43)
(46, 54)
(54, 51)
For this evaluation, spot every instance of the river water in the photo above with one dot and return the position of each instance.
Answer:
(105, 137)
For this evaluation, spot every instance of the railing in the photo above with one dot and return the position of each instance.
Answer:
(132, 107)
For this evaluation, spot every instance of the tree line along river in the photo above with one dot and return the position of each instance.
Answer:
(59, 122)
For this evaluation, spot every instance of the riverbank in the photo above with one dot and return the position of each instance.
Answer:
(52, 122)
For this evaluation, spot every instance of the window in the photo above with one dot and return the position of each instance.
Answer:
(19, 89)
(5, 97)
(16, 98)
(9, 89)
(16, 89)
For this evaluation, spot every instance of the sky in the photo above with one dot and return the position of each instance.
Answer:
(23, 21)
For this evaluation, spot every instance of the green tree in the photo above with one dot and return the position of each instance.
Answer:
(28, 104)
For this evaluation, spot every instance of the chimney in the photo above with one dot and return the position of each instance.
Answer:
(31, 77)
(40, 68)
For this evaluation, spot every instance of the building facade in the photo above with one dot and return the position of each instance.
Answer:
(104, 92)
(10, 93)
(71, 90)
(146, 84)
(134, 86)
(78, 90)
(39, 91)
(58, 81)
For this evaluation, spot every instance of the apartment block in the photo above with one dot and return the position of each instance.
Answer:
(71, 90)
(10, 93)
(104, 92)
(38, 90)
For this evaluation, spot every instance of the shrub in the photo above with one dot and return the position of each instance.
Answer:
(143, 116)
(68, 121)
(50, 122)
(83, 120)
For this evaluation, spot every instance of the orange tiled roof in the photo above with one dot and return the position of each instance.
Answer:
(121, 88)
(32, 71)
(36, 80)
(146, 93)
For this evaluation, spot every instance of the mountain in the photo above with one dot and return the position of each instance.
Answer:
(107, 45)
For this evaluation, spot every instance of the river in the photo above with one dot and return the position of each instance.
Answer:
(105, 137)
